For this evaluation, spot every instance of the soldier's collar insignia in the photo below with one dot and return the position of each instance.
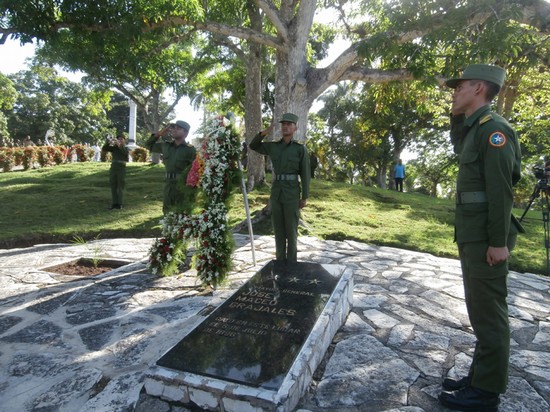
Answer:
(497, 139)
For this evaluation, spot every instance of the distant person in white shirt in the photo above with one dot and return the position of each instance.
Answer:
(97, 153)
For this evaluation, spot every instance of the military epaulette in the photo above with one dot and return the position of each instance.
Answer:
(485, 118)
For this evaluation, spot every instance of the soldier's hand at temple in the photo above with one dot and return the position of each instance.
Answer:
(269, 130)
(163, 131)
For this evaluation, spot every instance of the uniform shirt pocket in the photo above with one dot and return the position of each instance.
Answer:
(470, 176)
(293, 162)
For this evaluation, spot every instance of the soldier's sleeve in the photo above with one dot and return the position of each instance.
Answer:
(125, 152)
(153, 145)
(258, 145)
(192, 153)
(107, 147)
(305, 172)
(499, 152)
(457, 131)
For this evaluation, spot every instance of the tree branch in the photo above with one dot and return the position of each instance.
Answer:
(224, 41)
(223, 29)
(375, 75)
(274, 17)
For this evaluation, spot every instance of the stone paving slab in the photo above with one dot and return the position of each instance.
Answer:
(86, 344)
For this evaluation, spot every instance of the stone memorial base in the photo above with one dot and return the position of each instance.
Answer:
(258, 350)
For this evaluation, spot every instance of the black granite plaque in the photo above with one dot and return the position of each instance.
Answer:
(254, 337)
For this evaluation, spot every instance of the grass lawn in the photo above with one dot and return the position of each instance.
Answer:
(56, 204)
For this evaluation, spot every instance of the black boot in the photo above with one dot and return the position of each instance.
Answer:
(450, 384)
(470, 399)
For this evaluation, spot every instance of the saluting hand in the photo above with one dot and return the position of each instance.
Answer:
(163, 131)
(269, 130)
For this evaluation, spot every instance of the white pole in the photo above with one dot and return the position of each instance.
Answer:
(132, 125)
(247, 209)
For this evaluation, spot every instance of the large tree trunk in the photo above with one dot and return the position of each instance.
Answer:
(253, 103)
(381, 176)
(291, 88)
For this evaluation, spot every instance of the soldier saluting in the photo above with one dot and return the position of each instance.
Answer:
(485, 231)
(177, 157)
(117, 172)
(290, 168)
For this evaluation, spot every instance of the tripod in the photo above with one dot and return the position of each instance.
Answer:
(541, 191)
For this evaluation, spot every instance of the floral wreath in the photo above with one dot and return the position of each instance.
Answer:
(215, 172)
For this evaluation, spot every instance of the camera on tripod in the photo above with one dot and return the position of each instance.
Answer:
(542, 192)
(541, 173)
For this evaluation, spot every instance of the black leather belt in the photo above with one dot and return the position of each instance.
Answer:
(172, 175)
(286, 177)
(463, 198)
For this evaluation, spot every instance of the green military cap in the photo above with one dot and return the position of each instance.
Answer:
(493, 74)
(289, 117)
(183, 125)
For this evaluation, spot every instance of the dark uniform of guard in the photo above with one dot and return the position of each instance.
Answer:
(117, 174)
(290, 168)
(489, 165)
(177, 156)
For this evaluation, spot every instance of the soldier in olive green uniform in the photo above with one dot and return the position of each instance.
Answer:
(117, 173)
(290, 163)
(177, 156)
(485, 230)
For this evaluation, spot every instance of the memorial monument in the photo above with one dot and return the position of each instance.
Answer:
(259, 349)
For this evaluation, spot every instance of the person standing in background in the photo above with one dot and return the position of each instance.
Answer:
(399, 175)
(117, 173)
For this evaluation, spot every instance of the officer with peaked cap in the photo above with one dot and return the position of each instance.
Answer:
(177, 156)
(290, 168)
(485, 231)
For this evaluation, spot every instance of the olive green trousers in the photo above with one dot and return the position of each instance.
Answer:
(117, 181)
(285, 217)
(485, 289)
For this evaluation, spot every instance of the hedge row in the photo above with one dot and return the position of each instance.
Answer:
(31, 156)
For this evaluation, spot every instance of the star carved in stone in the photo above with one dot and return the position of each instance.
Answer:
(313, 282)
(294, 280)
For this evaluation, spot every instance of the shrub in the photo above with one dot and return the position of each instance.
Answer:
(6, 159)
(140, 154)
(43, 156)
(18, 156)
(83, 153)
(105, 156)
(57, 153)
(29, 157)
